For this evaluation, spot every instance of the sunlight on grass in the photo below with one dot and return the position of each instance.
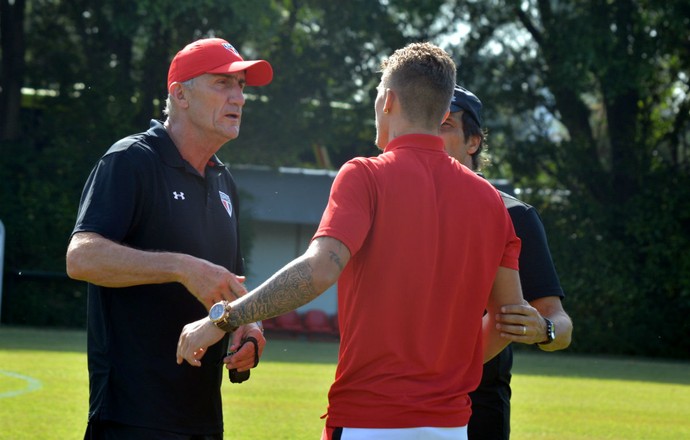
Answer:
(282, 401)
(558, 396)
(58, 409)
(576, 408)
(285, 398)
(555, 396)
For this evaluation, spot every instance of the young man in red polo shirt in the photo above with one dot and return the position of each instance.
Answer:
(413, 283)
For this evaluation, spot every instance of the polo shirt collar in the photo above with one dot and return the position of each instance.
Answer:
(421, 141)
(168, 151)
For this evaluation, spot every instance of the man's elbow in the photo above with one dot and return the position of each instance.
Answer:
(77, 259)
(567, 335)
(73, 266)
(325, 268)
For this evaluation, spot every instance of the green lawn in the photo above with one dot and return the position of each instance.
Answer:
(44, 392)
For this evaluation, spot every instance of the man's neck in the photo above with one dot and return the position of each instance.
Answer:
(402, 128)
(194, 148)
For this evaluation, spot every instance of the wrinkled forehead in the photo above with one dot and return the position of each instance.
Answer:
(241, 75)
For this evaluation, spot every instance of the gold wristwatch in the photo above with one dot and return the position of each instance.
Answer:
(220, 314)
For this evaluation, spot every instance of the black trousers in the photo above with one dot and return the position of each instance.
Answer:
(105, 430)
(491, 401)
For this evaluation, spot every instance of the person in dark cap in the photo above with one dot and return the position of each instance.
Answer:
(462, 129)
(157, 240)
(543, 321)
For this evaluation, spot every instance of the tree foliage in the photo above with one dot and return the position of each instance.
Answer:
(587, 105)
(591, 99)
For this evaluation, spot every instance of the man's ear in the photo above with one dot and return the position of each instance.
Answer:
(389, 99)
(473, 144)
(177, 92)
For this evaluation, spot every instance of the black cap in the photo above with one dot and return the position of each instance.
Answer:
(465, 100)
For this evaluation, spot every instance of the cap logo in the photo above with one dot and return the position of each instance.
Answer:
(229, 47)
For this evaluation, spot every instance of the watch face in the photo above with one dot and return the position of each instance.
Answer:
(217, 311)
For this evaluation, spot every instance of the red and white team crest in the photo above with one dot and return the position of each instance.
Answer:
(225, 200)
(231, 48)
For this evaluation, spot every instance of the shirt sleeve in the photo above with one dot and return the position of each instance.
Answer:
(108, 204)
(350, 209)
(537, 271)
(511, 254)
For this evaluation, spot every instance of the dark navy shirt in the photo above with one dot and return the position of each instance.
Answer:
(143, 194)
(538, 278)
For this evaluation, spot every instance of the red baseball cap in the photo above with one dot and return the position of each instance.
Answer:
(215, 55)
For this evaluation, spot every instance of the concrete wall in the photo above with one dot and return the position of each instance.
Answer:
(275, 245)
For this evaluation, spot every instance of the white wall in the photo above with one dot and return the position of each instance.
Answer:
(276, 244)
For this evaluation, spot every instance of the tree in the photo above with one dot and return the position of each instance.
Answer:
(12, 67)
(103, 67)
(587, 104)
(592, 99)
(325, 56)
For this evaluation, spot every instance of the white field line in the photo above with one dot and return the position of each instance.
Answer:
(31, 384)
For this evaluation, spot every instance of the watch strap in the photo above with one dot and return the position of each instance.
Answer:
(224, 325)
(550, 332)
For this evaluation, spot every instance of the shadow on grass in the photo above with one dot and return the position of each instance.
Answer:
(528, 360)
(44, 339)
(564, 364)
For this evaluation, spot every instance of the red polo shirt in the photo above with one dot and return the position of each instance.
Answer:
(426, 237)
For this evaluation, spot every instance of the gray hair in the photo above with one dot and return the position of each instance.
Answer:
(169, 110)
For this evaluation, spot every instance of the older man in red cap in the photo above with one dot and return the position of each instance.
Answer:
(157, 240)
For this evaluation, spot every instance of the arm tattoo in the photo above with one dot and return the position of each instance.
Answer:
(336, 259)
(288, 289)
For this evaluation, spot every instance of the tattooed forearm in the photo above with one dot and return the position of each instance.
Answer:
(336, 259)
(296, 284)
(287, 290)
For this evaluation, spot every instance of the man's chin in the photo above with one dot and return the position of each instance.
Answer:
(232, 134)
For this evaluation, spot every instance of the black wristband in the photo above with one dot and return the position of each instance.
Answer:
(239, 377)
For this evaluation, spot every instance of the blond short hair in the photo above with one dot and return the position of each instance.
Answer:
(423, 77)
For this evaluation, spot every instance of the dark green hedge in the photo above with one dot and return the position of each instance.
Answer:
(43, 299)
(626, 271)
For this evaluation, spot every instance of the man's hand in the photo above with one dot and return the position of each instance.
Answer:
(195, 340)
(521, 323)
(244, 359)
(211, 283)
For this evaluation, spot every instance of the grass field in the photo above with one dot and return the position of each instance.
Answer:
(44, 392)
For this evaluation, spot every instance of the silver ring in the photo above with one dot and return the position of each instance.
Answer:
(524, 330)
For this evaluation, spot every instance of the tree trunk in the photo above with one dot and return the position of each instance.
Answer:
(12, 72)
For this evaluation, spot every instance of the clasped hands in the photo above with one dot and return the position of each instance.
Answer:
(197, 336)
(521, 323)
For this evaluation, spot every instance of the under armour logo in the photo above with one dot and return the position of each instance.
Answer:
(178, 195)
